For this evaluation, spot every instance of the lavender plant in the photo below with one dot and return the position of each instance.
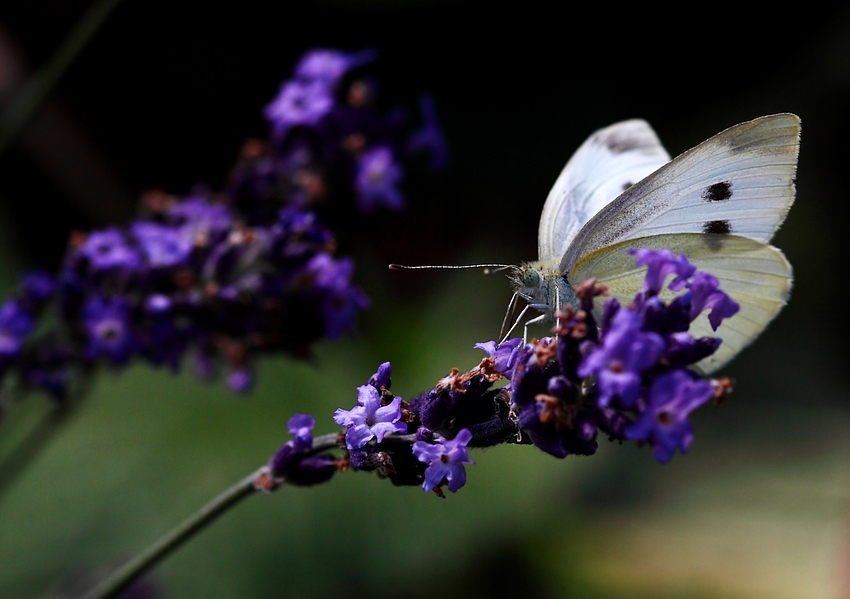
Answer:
(223, 277)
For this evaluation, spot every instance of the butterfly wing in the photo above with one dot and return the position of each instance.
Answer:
(754, 274)
(740, 182)
(610, 161)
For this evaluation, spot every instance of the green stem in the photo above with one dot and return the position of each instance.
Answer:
(36, 90)
(127, 574)
(132, 570)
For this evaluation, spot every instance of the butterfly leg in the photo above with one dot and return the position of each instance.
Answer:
(540, 318)
(516, 322)
(510, 310)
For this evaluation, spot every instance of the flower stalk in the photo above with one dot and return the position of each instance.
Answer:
(122, 578)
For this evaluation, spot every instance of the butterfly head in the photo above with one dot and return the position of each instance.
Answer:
(543, 286)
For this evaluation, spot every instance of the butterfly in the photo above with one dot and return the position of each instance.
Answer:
(719, 203)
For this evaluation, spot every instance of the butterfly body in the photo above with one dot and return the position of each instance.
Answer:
(719, 204)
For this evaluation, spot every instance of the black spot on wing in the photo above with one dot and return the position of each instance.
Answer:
(618, 142)
(717, 227)
(717, 192)
(715, 231)
(627, 184)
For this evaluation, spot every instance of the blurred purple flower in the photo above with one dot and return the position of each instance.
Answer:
(378, 179)
(330, 65)
(107, 323)
(108, 250)
(163, 246)
(15, 325)
(297, 104)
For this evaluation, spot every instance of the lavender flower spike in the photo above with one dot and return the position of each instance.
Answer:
(445, 461)
(369, 419)
(289, 464)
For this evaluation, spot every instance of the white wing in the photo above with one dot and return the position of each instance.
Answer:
(609, 162)
(755, 275)
(740, 182)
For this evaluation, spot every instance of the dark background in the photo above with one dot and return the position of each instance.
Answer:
(163, 98)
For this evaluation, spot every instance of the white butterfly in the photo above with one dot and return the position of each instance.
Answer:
(718, 203)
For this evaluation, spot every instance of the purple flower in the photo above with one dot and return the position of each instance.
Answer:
(369, 419)
(664, 423)
(164, 247)
(339, 309)
(625, 352)
(235, 273)
(330, 65)
(382, 377)
(660, 264)
(430, 137)
(108, 250)
(377, 180)
(200, 221)
(301, 425)
(705, 293)
(289, 464)
(37, 287)
(340, 301)
(506, 354)
(108, 326)
(445, 460)
(299, 104)
(15, 325)
(240, 379)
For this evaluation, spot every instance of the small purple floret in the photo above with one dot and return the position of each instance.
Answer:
(162, 246)
(301, 425)
(330, 65)
(299, 104)
(626, 351)
(445, 460)
(15, 325)
(240, 380)
(506, 354)
(108, 326)
(289, 464)
(382, 377)
(659, 265)
(664, 423)
(430, 137)
(378, 179)
(108, 250)
(706, 294)
(369, 419)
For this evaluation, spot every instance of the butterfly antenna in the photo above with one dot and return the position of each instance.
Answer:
(498, 267)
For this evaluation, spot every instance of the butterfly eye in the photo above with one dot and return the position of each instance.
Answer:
(530, 277)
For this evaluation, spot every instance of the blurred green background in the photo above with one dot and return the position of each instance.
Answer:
(164, 96)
